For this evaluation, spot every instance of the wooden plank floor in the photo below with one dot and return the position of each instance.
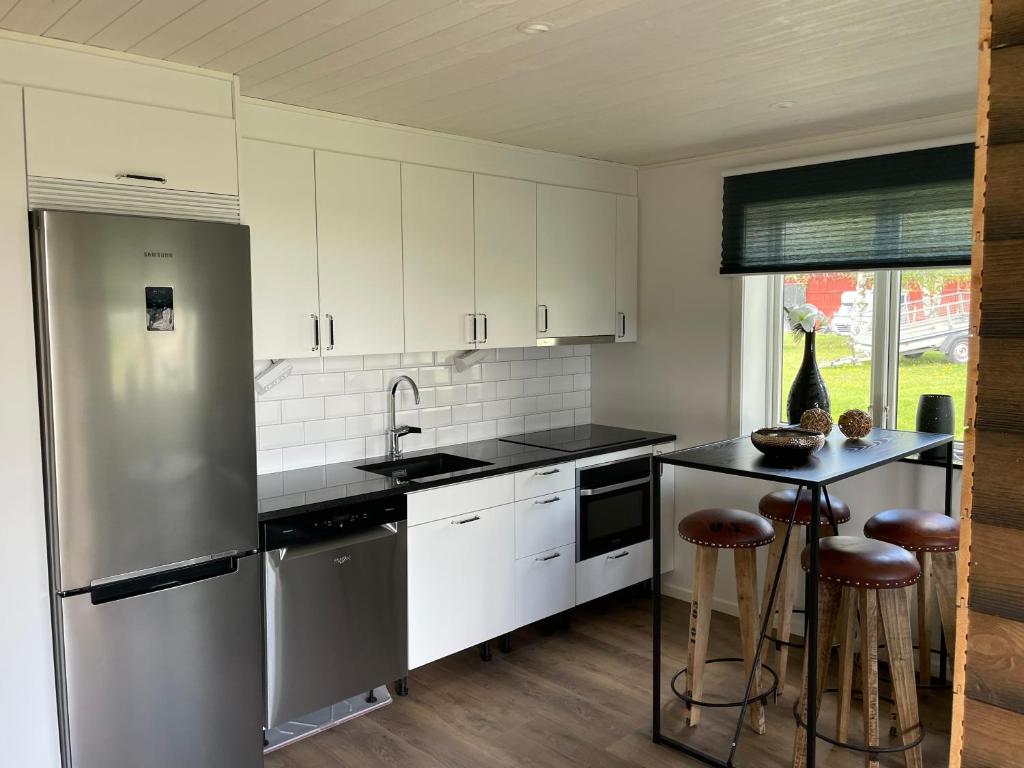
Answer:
(579, 697)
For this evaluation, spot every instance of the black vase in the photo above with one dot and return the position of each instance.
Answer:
(935, 413)
(808, 390)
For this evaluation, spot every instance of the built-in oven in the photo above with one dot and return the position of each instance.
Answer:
(613, 506)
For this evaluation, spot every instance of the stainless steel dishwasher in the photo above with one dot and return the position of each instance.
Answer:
(336, 615)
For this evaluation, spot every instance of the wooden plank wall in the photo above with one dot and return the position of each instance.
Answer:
(988, 714)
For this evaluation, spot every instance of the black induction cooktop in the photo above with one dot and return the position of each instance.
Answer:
(582, 438)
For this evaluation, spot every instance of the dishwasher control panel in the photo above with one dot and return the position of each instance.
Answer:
(338, 520)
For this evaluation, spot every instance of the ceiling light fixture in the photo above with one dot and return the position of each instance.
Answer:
(783, 105)
(534, 27)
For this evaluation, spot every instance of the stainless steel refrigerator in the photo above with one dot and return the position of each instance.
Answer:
(145, 361)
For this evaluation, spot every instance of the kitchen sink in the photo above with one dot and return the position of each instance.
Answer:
(423, 466)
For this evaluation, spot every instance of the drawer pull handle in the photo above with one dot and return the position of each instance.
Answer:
(548, 557)
(554, 471)
(552, 500)
(140, 177)
(618, 556)
(472, 519)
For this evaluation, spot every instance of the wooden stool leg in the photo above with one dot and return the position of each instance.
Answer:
(829, 598)
(745, 561)
(847, 625)
(700, 626)
(774, 550)
(787, 591)
(924, 619)
(944, 574)
(894, 605)
(869, 670)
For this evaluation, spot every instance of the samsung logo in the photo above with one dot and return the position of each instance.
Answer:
(158, 254)
(343, 559)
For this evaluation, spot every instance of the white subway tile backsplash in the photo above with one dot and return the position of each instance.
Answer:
(510, 388)
(305, 409)
(333, 409)
(343, 363)
(382, 361)
(323, 384)
(363, 381)
(463, 414)
(344, 405)
(279, 436)
(268, 413)
(325, 430)
(513, 426)
(482, 430)
(269, 485)
(552, 367)
(361, 426)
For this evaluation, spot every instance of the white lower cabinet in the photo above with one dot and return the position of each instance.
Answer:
(545, 523)
(545, 584)
(607, 573)
(461, 577)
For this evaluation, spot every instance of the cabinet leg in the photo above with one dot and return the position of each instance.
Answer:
(370, 697)
(485, 650)
(402, 686)
(506, 643)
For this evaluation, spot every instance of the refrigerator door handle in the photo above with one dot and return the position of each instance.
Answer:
(155, 582)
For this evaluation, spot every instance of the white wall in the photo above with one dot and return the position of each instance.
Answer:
(27, 696)
(679, 377)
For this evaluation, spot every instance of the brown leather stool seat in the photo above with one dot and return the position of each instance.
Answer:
(865, 563)
(778, 506)
(917, 530)
(726, 529)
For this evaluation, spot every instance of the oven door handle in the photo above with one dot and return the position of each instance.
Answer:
(616, 487)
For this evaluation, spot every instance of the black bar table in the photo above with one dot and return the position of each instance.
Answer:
(838, 460)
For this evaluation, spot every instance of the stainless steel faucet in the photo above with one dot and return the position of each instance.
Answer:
(395, 433)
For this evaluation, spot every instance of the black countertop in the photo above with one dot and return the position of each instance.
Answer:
(343, 483)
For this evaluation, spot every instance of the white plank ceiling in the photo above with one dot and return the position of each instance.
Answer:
(637, 81)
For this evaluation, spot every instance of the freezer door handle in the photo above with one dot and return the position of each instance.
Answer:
(155, 582)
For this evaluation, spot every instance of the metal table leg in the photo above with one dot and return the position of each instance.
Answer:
(811, 641)
(943, 651)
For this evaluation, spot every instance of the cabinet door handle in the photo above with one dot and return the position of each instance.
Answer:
(554, 471)
(472, 336)
(552, 500)
(472, 519)
(316, 332)
(618, 556)
(622, 325)
(548, 557)
(330, 332)
(140, 177)
(484, 341)
(545, 308)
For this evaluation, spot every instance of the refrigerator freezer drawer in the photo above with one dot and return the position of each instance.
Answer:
(168, 678)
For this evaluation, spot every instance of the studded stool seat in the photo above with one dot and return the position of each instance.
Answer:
(916, 530)
(851, 561)
(779, 505)
(726, 529)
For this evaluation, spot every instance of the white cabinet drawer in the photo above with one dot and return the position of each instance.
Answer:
(438, 503)
(545, 584)
(545, 480)
(69, 136)
(546, 522)
(606, 573)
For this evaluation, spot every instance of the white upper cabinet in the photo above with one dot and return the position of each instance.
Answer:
(437, 237)
(506, 261)
(86, 138)
(279, 205)
(359, 229)
(575, 262)
(626, 269)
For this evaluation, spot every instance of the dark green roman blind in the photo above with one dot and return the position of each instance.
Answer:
(909, 209)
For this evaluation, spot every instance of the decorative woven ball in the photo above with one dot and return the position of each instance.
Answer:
(817, 420)
(855, 423)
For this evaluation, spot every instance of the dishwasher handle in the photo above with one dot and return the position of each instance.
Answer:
(342, 541)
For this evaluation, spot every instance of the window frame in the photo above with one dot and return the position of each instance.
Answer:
(884, 349)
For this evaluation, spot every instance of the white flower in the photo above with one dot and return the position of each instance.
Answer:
(806, 318)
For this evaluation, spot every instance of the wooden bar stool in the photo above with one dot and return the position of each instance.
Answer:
(878, 576)
(777, 507)
(935, 539)
(712, 530)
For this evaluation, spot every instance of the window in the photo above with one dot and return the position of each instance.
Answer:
(893, 336)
